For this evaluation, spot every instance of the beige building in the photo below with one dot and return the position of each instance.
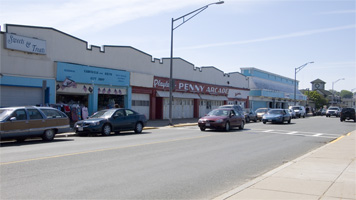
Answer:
(47, 66)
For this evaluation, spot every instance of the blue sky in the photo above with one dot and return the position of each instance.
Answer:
(272, 35)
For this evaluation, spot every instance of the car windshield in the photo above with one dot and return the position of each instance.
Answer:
(218, 113)
(275, 112)
(295, 108)
(4, 113)
(333, 109)
(103, 114)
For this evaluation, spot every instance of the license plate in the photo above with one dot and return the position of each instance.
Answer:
(207, 124)
(80, 128)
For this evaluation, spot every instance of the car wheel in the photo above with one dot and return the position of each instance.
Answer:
(289, 121)
(255, 120)
(227, 126)
(202, 128)
(264, 122)
(106, 130)
(138, 127)
(247, 119)
(48, 135)
(242, 125)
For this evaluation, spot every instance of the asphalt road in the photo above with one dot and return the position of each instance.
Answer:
(166, 163)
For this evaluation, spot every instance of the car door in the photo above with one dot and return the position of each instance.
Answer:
(16, 125)
(118, 120)
(234, 118)
(131, 119)
(36, 123)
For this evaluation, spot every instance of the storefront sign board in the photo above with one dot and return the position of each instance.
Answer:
(22, 43)
(92, 75)
(238, 94)
(188, 86)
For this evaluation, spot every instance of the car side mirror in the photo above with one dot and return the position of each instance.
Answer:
(13, 119)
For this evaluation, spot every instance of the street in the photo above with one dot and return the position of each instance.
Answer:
(165, 163)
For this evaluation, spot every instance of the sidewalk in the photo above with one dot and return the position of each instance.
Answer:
(328, 172)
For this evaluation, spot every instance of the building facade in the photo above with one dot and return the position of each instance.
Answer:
(268, 90)
(41, 65)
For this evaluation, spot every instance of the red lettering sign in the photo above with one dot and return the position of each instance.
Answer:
(189, 86)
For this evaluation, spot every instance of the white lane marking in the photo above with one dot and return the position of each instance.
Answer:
(298, 133)
(291, 133)
(318, 134)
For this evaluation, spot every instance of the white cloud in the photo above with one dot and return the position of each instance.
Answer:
(79, 15)
(278, 37)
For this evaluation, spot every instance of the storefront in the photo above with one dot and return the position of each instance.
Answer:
(94, 88)
(192, 99)
(269, 90)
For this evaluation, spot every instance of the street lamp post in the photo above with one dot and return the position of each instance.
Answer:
(190, 16)
(297, 69)
(333, 88)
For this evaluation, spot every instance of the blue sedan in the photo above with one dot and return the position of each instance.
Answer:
(277, 116)
(111, 120)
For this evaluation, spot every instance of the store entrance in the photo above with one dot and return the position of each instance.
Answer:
(75, 106)
(106, 101)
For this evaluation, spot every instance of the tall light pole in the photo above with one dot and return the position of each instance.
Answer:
(189, 16)
(297, 69)
(333, 88)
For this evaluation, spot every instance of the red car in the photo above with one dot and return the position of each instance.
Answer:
(222, 118)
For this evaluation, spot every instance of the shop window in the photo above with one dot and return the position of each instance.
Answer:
(110, 101)
(140, 103)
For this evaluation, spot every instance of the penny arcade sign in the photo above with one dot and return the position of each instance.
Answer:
(191, 87)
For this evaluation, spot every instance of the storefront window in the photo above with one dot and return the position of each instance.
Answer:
(72, 99)
(106, 101)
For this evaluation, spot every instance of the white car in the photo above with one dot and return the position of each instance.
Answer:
(333, 111)
(299, 111)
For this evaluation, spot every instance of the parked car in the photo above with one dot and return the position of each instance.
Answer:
(347, 114)
(277, 116)
(299, 111)
(321, 112)
(237, 108)
(250, 115)
(111, 120)
(260, 112)
(222, 118)
(333, 111)
(25, 122)
(292, 113)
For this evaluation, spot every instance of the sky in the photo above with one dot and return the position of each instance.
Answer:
(273, 35)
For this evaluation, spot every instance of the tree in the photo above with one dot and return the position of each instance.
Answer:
(346, 94)
(317, 98)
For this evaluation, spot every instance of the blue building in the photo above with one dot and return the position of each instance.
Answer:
(268, 90)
